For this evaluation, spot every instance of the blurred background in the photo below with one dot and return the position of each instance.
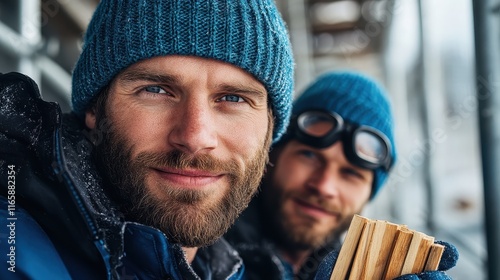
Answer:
(437, 59)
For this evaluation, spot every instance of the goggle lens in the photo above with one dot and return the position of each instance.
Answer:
(317, 124)
(370, 147)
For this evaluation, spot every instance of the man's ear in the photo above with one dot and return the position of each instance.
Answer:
(90, 119)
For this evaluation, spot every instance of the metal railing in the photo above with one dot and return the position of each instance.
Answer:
(487, 43)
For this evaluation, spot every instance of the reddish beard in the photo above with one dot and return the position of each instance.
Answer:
(192, 218)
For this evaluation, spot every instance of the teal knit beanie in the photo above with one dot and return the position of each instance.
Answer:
(356, 98)
(249, 34)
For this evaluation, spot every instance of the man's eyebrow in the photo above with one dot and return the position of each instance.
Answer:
(243, 89)
(145, 75)
(139, 74)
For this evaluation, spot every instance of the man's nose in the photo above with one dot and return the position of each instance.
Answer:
(324, 182)
(194, 129)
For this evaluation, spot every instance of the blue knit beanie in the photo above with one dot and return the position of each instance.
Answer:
(358, 99)
(249, 34)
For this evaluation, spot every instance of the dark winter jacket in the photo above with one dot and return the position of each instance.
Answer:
(57, 223)
(251, 238)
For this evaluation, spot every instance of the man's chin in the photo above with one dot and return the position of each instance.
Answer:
(187, 197)
(306, 233)
(311, 238)
(190, 223)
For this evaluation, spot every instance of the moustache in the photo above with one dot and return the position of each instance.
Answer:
(317, 202)
(177, 159)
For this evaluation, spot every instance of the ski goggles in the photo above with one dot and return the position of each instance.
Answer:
(364, 146)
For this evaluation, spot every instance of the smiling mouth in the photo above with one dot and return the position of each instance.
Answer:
(189, 179)
(313, 210)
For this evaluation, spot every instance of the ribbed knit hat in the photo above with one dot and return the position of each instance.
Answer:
(356, 98)
(249, 34)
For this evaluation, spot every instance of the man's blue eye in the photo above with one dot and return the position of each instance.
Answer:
(232, 98)
(352, 172)
(308, 154)
(154, 89)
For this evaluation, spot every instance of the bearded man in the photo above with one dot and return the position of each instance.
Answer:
(174, 106)
(334, 159)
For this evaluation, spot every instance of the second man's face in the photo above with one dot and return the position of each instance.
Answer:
(313, 193)
(186, 142)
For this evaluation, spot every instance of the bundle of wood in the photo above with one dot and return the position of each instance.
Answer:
(375, 249)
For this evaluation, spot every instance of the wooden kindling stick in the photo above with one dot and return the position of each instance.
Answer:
(376, 250)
